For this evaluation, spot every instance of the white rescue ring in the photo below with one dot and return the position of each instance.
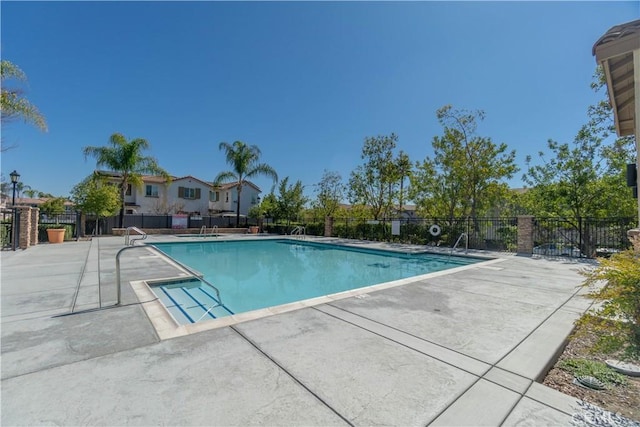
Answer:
(435, 230)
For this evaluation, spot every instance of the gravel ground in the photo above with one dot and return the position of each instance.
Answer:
(591, 416)
(614, 406)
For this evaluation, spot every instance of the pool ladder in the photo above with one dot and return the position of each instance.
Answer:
(203, 230)
(128, 241)
(466, 243)
(184, 267)
(299, 231)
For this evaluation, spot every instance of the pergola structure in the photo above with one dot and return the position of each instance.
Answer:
(618, 52)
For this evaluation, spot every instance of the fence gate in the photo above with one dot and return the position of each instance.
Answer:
(580, 237)
(7, 228)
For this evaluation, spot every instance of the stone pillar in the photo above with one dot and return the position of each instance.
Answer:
(24, 239)
(35, 220)
(328, 226)
(634, 238)
(525, 235)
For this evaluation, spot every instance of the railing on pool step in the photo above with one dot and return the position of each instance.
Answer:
(184, 267)
(203, 231)
(132, 241)
(466, 245)
(299, 231)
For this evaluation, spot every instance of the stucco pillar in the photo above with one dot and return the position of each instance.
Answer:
(328, 226)
(24, 239)
(525, 234)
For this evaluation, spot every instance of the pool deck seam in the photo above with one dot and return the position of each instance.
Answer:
(81, 276)
(293, 377)
(478, 378)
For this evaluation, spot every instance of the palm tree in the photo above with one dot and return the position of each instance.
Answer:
(244, 160)
(13, 104)
(126, 158)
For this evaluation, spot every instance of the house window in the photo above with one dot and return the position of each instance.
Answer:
(188, 193)
(128, 192)
(151, 190)
(253, 199)
(226, 197)
(214, 196)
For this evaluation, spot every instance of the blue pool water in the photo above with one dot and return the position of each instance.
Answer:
(258, 274)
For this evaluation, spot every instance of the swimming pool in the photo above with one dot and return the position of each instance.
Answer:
(197, 235)
(257, 274)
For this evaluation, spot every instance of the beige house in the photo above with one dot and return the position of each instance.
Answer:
(186, 194)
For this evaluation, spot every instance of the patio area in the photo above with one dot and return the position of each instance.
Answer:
(464, 348)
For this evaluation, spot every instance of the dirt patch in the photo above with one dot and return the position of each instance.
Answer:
(624, 399)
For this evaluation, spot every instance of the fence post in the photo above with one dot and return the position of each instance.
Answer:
(33, 232)
(15, 228)
(24, 238)
(634, 237)
(525, 235)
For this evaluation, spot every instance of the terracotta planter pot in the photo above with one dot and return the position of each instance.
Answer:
(254, 230)
(55, 235)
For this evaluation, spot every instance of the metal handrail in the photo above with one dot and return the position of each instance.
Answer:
(128, 231)
(203, 230)
(299, 231)
(184, 267)
(466, 246)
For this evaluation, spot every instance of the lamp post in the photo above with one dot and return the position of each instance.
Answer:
(15, 176)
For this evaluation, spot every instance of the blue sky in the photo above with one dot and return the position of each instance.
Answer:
(305, 81)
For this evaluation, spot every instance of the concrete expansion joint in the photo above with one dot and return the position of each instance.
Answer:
(402, 332)
(81, 276)
(484, 376)
(293, 377)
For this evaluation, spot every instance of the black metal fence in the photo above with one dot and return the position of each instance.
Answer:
(9, 222)
(484, 233)
(106, 225)
(581, 237)
(69, 221)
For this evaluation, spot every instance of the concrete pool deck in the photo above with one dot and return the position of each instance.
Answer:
(458, 349)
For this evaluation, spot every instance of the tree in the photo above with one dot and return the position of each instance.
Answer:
(371, 184)
(21, 187)
(584, 178)
(465, 176)
(329, 193)
(95, 196)
(13, 103)
(126, 158)
(291, 200)
(269, 206)
(53, 206)
(568, 184)
(244, 160)
(31, 193)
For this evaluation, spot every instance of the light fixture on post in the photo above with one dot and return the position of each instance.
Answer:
(15, 176)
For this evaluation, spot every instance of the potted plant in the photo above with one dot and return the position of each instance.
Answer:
(56, 234)
(54, 207)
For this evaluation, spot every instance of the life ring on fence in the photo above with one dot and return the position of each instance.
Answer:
(435, 230)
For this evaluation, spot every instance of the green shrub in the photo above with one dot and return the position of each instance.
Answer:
(618, 319)
(592, 368)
